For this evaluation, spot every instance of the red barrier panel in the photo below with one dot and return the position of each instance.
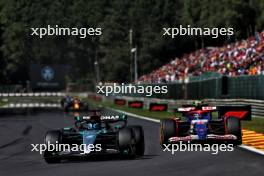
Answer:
(98, 98)
(158, 107)
(136, 104)
(120, 102)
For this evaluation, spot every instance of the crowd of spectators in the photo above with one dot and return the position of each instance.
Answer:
(244, 57)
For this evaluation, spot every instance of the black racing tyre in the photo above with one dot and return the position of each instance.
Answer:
(126, 141)
(167, 130)
(139, 138)
(86, 107)
(52, 137)
(62, 102)
(66, 108)
(233, 126)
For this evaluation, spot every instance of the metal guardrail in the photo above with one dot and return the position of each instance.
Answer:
(31, 105)
(27, 108)
(43, 94)
(35, 94)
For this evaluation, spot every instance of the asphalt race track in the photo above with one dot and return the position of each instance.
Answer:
(18, 132)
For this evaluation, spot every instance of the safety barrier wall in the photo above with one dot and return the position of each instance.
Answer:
(250, 87)
(11, 88)
(247, 87)
(35, 94)
(256, 105)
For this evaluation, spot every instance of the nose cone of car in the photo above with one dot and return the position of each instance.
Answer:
(201, 131)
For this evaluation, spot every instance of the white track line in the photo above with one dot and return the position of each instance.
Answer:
(135, 115)
(252, 149)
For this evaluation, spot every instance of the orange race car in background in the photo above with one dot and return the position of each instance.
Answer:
(69, 103)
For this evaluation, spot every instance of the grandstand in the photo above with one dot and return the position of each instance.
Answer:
(244, 57)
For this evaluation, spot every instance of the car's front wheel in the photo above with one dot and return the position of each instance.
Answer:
(52, 138)
(167, 130)
(233, 126)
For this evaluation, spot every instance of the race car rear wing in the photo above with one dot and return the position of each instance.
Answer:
(192, 108)
(243, 112)
(185, 109)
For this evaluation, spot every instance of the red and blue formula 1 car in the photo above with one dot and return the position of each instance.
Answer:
(199, 125)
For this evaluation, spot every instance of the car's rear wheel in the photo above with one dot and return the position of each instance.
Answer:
(126, 142)
(233, 126)
(167, 130)
(52, 137)
(139, 138)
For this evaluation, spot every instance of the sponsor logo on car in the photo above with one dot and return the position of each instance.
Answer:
(110, 117)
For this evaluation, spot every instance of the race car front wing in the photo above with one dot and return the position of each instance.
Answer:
(208, 137)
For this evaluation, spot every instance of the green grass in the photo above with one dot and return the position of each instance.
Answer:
(2, 103)
(257, 123)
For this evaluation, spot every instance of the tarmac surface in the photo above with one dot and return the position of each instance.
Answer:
(18, 132)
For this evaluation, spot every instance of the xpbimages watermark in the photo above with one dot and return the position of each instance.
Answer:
(147, 90)
(65, 31)
(57, 147)
(197, 31)
(189, 147)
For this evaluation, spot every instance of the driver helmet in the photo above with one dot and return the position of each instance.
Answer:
(197, 103)
(91, 126)
(67, 98)
(197, 115)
